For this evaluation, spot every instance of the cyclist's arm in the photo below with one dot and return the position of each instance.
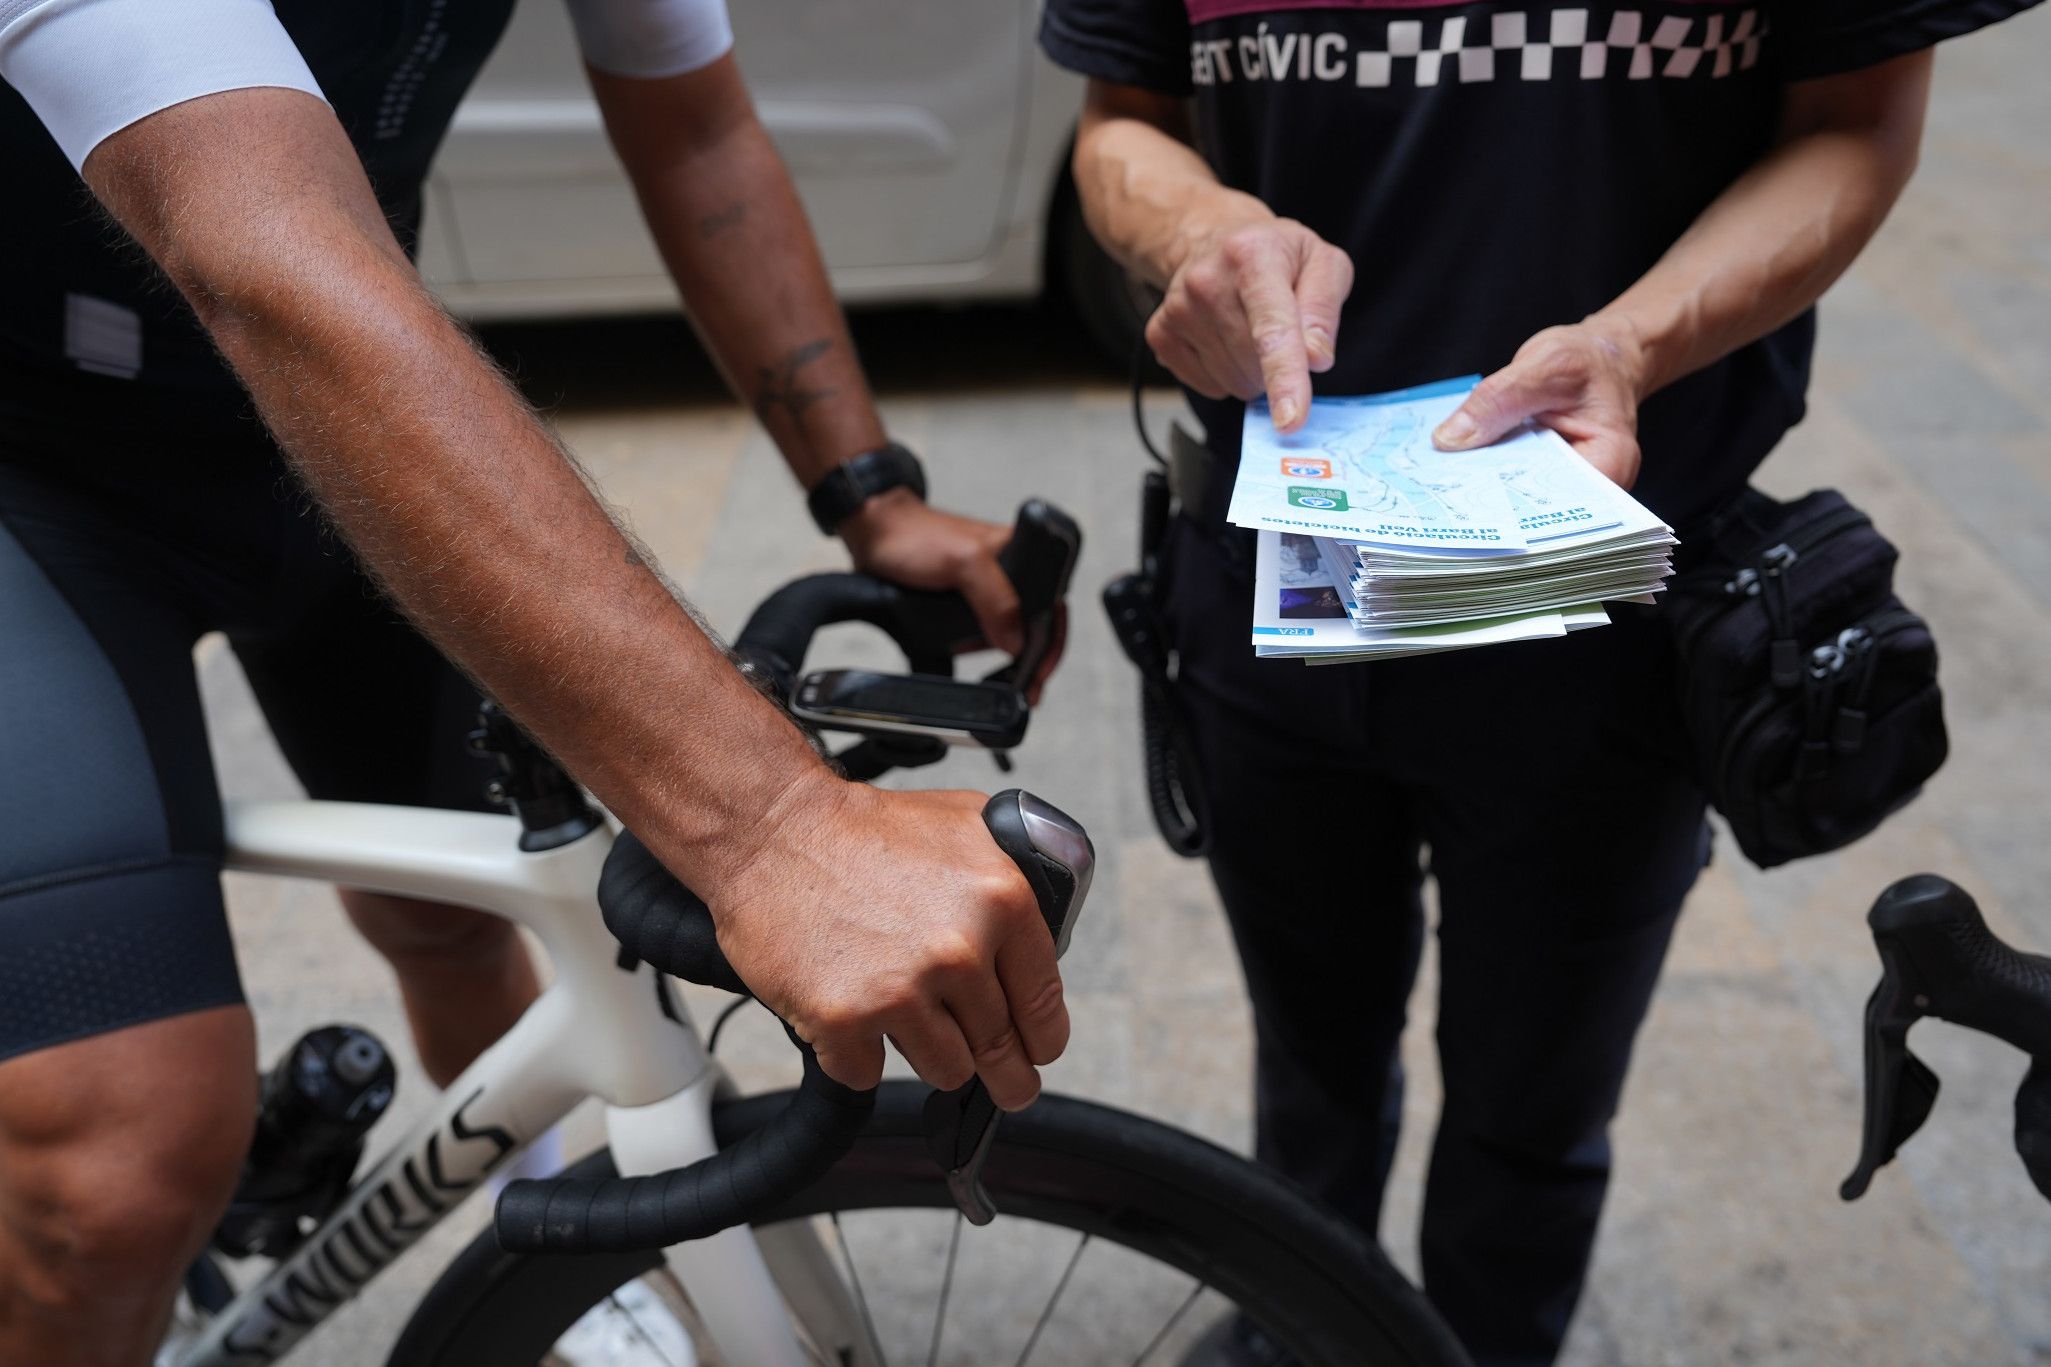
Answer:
(729, 225)
(254, 204)
(855, 913)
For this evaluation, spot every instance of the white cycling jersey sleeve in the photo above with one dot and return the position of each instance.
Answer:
(90, 68)
(651, 38)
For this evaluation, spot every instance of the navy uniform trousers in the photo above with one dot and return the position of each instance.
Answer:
(1543, 785)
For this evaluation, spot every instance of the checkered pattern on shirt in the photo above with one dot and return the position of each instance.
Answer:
(1507, 46)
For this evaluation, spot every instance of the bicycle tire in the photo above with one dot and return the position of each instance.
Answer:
(1322, 1290)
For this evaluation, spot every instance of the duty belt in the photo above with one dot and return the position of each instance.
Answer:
(1134, 603)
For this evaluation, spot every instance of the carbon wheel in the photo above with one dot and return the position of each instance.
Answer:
(1119, 1241)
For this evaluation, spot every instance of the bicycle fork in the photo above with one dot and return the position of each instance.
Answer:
(739, 1279)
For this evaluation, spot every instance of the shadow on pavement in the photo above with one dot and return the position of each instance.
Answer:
(582, 364)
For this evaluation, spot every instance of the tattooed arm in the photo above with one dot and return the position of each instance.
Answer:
(730, 227)
(734, 236)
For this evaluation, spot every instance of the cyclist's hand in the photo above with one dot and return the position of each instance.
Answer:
(1254, 309)
(865, 914)
(896, 536)
(1583, 381)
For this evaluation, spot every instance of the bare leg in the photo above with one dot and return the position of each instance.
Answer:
(117, 1155)
(465, 976)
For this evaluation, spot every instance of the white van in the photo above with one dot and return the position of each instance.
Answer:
(928, 138)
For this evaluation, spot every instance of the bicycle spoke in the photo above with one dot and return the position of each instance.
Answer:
(946, 1286)
(1047, 1313)
(847, 1254)
(1174, 1319)
(634, 1322)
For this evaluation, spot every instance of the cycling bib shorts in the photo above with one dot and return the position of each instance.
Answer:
(110, 897)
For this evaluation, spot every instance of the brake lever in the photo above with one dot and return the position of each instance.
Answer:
(1057, 859)
(1938, 958)
(960, 1127)
(1901, 1089)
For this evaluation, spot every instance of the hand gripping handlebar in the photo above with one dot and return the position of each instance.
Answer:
(928, 627)
(1938, 958)
(658, 919)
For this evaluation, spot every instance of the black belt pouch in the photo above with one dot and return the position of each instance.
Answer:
(1809, 690)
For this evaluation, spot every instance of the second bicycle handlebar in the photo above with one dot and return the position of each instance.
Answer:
(1939, 958)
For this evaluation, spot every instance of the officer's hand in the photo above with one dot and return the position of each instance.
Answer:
(1583, 381)
(895, 536)
(1254, 309)
(864, 914)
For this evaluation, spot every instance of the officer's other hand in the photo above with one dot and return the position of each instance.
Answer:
(1254, 309)
(1584, 381)
(896, 536)
(863, 914)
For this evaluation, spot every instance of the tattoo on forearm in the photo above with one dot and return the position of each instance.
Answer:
(777, 387)
(712, 225)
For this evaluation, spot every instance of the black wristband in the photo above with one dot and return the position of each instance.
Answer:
(850, 484)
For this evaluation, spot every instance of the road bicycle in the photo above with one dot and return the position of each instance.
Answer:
(750, 1212)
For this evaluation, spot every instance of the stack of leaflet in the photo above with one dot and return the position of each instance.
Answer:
(1374, 544)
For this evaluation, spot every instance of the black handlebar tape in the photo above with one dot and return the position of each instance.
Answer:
(925, 626)
(659, 920)
(627, 1214)
(928, 627)
(1964, 971)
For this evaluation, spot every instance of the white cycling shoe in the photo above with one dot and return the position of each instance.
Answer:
(634, 1327)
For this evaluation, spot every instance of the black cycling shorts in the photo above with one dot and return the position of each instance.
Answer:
(115, 558)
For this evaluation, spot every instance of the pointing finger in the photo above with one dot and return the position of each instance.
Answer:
(1276, 328)
(1321, 290)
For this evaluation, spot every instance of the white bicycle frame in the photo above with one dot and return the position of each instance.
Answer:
(600, 1029)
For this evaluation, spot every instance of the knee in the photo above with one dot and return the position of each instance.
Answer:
(410, 933)
(1526, 1145)
(114, 1220)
